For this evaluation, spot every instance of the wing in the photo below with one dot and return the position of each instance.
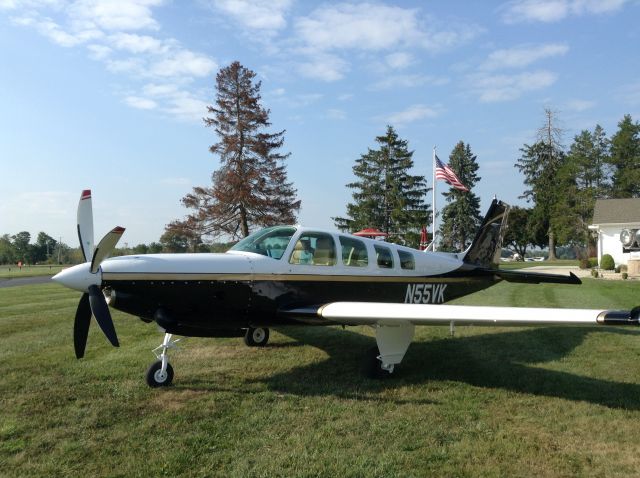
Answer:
(376, 313)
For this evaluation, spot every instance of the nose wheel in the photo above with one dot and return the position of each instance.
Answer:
(160, 373)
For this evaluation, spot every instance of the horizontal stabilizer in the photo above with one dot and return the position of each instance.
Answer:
(537, 278)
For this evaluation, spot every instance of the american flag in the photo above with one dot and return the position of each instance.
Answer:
(445, 173)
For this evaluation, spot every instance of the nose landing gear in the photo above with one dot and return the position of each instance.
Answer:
(160, 373)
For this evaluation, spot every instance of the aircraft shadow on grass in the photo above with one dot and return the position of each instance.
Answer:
(497, 360)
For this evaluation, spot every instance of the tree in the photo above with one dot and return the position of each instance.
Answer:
(625, 159)
(386, 196)
(22, 247)
(540, 164)
(250, 188)
(461, 216)
(7, 251)
(45, 246)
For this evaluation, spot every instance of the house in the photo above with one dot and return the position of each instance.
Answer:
(610, 217)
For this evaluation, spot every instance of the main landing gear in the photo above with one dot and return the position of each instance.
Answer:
(392, 344)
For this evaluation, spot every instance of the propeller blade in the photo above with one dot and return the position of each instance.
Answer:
(105, 247)
(81, 325)
(85, 224)
(101, 312)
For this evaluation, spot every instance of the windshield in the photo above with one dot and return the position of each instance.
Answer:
(270, 242)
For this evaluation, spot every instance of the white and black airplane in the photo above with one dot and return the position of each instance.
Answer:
(293, 275)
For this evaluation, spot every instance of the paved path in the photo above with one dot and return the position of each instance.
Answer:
(24, 281)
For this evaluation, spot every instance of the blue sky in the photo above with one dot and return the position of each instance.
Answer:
(109, 95)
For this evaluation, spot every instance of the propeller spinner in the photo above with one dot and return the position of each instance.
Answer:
(87, 278)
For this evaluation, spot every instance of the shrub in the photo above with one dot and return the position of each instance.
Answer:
(625, 275)
(617, 269)
(623, 267)
(584, 263)
(594, 272)
(593, 262)
(607, 263)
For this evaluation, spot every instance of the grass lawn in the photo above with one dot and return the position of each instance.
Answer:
(488, 402)
(12, 271)
(527, 264)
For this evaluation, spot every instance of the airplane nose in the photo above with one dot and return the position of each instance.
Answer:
(79, 277)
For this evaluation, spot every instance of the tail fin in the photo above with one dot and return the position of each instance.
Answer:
(487, 245)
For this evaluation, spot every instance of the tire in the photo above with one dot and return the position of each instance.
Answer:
(256, 337)
(154, 377)
(372, 366)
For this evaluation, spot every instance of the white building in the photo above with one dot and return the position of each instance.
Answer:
(610, 217)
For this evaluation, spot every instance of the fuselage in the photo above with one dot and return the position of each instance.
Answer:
(260, 282)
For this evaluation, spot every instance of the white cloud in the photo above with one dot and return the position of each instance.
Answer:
(495, 88)
(579, 105)
(264, 15)
(184, 63)
(336, 114)
(408, 81)
(523, 55)
(115, 15)
(630, 94)
(138, 43)
(324, 67)
(98, 52)
(399, 60)
(140, 103)
(411, 114)
(549, 11)
(185, 106)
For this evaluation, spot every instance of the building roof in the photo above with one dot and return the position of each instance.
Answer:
(617, 211)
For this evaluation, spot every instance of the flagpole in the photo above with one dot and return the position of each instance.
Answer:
(433, 202)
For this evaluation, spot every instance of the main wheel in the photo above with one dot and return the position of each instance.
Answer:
(372, 366)
(256, 337)
(156, 378)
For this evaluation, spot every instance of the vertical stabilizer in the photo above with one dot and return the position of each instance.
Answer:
(487, 245)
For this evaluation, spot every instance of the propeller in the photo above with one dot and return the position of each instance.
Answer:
(89, 280)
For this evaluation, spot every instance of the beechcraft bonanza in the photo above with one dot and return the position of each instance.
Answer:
(289, 275)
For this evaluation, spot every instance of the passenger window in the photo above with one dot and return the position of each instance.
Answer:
(314, 248)
(406, 260)
(354, 252)
(385, 259)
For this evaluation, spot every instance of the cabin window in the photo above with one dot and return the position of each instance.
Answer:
(384, 257)
(314, 248)
(406, 260)
(270, 242)
(354, 252)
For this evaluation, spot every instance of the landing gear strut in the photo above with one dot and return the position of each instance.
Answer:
(256, 337)
(160, 373)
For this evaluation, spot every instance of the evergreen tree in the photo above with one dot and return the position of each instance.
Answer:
(250, 188)
(625, 159)
(386, 196)
(461, 216)
(540, 164)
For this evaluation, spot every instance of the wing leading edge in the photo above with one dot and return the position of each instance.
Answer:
(376, 313)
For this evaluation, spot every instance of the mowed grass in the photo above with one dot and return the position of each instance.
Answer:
(488, 402)
(13, 271)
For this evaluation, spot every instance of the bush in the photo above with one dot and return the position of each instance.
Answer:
(625, 275)
(584, 263)
(593, 262)
(623, 267)
(607, 263)
(594, 273)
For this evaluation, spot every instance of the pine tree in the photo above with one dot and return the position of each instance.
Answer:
(386, 196)
(540, 164)
(625, 159)
(250, 188)
(461, 216)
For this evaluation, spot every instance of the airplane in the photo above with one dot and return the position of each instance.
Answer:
(294, 275)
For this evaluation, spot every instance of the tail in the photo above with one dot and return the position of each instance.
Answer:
(484, 251)
(487, 245)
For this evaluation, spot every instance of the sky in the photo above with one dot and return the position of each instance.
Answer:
(109, 95)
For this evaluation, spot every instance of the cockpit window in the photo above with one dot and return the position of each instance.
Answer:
(270, 242)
